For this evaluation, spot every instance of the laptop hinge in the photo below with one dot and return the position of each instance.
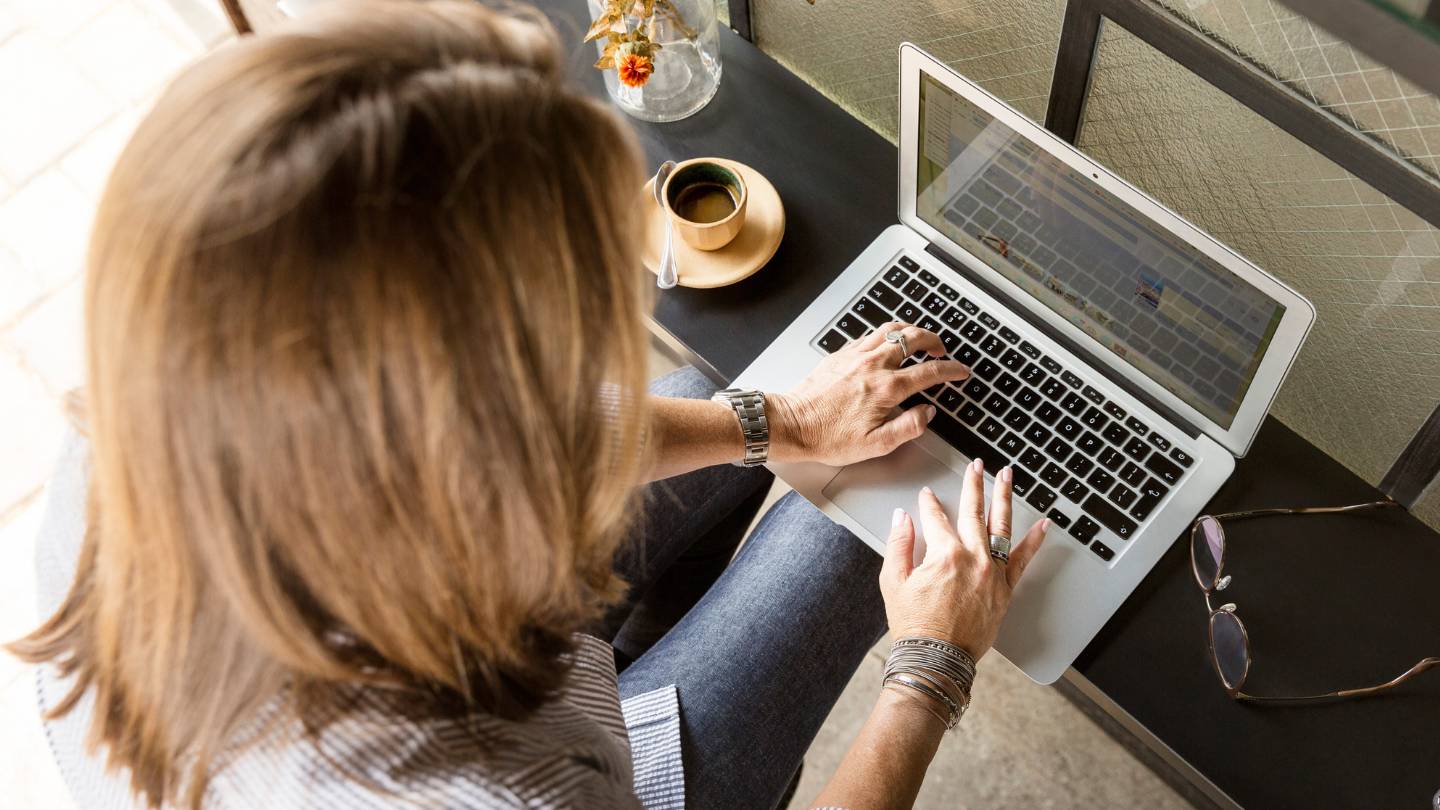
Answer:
(1074, 346)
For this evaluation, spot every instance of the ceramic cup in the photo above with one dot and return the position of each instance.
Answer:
(705, 200)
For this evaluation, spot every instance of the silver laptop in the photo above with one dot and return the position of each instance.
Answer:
(1121, 359)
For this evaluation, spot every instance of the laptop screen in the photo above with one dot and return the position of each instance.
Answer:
(1178, 316)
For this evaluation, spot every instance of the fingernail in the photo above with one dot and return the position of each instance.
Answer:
(1045, 525)
(977, 465)
(1005, 474)
(926, 491)
(897, 518)
(929, 412)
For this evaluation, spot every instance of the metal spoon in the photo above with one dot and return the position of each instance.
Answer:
(669, 274)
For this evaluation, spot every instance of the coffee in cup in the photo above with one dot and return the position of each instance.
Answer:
(705, 200)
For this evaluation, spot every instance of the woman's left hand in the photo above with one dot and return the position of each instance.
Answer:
(841, 413)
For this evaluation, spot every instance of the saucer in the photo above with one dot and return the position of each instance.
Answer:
(747, 252)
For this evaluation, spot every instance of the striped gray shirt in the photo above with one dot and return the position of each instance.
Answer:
(586, 748)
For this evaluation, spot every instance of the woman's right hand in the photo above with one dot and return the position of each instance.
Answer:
(958, 593)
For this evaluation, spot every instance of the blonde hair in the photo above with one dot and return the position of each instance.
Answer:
(354, 292)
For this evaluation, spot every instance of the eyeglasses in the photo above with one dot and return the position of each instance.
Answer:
(1229, 643)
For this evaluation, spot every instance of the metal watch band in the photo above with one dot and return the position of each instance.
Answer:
(750, 408)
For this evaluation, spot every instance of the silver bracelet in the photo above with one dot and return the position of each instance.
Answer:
(933, 667)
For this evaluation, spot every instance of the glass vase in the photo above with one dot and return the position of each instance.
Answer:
(687, 65)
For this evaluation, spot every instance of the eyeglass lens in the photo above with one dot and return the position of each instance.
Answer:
(1208, 550)
(1232, 653)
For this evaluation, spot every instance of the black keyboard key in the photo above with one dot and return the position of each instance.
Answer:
(1092, 394)
(1007, 385)
(975, 389)
(991, 430)
(1089, 443)
(1079, 465)
(1032, 459)
(1022, 482)
(1074, 403)
(973, 332)
(929, 324)
(934, 304)
(1050, 365)
(952, 341)
(896, 277)
(1137, 426)
(1114, 410)
(989, 320)
(1182, 458)
(1069, 429)
(1017, 419)
(1122, 496)
(1036, 434)
(929, 278)
(832, 342)
(873, 313)
(1094, 419)
(1071, 380)
(1052, 388)
(1110, 458)
(1059, 518)
(1058, 449)
(1137, 449)
(915, 291)
(887, 297)
(1102, 480)
(1027, 399)
(986, 368)
(1103, 551)
(992, 345)
(851, 325)
(1012, 360)
(1116, 434)
(1033, 375)
(970, 414)
(1074, 490)
(1041, 498)
(966, 354)
(908, 263)
(1084, 529)
(964, 440)
(1108, 516)
(949, 292)
(996, 404)
(1164, 469)
(1053, 474)
(969, 306)
(950, 399)
(1009, 334)
(953, 318)
(1047, 413)
(1030, 349)
(1133, 474)
(1011, 445)
(1150, 496)
(908, 313)
(1161, 443)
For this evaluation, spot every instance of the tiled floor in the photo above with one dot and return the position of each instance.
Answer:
(75, 76)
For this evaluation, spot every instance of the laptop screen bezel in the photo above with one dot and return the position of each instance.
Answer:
(1284, 345)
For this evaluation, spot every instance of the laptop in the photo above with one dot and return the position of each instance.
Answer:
(1121, 359)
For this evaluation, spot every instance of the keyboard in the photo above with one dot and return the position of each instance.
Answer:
(1081, 459)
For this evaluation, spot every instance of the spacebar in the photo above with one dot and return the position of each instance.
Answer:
(963, 438)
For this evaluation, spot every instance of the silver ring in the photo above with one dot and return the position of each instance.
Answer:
(1000, 548)
(898, 338)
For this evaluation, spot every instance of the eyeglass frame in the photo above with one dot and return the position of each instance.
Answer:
(1220, 581)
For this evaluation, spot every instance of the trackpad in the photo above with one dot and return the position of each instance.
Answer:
(870, 491)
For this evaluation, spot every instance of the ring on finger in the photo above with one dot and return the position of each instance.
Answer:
(1000, 548)
(897, 337)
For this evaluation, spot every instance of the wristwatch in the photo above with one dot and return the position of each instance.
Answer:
(750, 408)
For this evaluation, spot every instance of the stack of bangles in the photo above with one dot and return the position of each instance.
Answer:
(937, 669)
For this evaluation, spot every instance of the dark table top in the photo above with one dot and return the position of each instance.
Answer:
(1330, 601)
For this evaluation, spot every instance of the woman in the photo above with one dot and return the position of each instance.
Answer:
(367, 429)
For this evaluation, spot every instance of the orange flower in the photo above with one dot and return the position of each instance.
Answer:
(635, 69)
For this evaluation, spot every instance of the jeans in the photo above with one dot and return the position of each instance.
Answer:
(759, 648)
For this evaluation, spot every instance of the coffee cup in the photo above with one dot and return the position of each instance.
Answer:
(705, 200)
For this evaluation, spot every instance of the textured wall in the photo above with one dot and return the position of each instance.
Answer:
(1370, 373)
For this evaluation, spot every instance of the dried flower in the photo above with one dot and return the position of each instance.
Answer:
(635, 69)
